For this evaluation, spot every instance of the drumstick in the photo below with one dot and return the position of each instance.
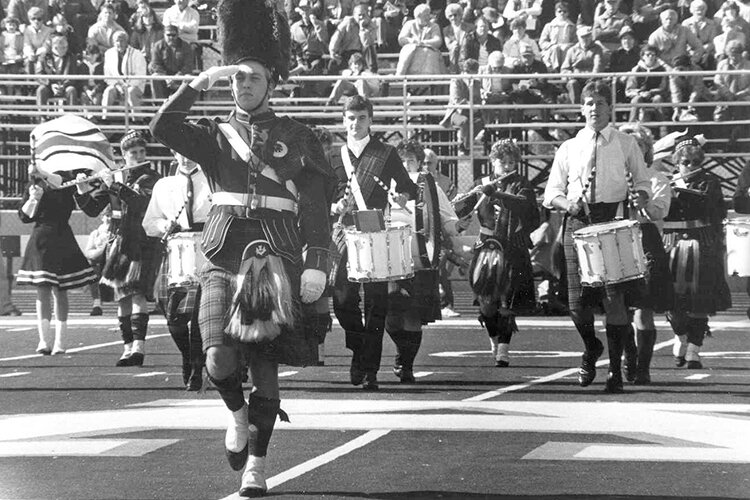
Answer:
(633, 194)
(173, 224)
(391, 196)
(347, 193)
(586, 186)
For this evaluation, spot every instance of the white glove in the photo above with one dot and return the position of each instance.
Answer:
(107, 177)
(216, 73)
(312, 285)
(84, 187)
(35, 192)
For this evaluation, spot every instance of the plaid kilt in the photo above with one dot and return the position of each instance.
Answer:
(297, 346)
(582, 297)
(174, 301)
(660, 296)
(423, 296)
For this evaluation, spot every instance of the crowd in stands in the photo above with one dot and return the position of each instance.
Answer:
(118, 38)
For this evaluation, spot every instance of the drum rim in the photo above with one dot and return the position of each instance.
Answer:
(624, 223)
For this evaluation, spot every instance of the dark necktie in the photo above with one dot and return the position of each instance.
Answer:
(592, 187)
(189, 200)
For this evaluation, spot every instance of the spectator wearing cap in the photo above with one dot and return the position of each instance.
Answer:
(460, 94)
(57, 61)
(705, 30)
(733, 87)
(730, 31)
(479, 44)
(35, 38)
(11, 47)
(686, 90)
(583, 57)
(526, 10)
(147, 30)
(420, 41)
(512, 46)
(170, 56)
(557, 37)
(309, 44)
(355, 33)
(533, 90)
(495, 89)
(624, 59)
(102, 31)
(454, 34)
(21, 10)
(121, 62)
(607, 27)
(647, 88)
(673, 39)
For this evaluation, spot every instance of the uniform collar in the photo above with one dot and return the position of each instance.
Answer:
(246, 119)
(606, 133)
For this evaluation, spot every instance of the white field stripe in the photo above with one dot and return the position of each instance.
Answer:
(14, 374)
(319, 461)
(81, 349)
(372, 436)
(548, 378)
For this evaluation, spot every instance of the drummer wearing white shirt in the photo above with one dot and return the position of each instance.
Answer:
(179, 205)
(588, 180)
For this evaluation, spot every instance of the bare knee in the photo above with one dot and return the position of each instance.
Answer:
(221, 362)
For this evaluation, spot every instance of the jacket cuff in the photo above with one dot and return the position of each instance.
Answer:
(317, 258)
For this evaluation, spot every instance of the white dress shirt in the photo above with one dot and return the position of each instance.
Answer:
(617, 153)
(660, 201)
(168, 199)
(357, 146)
(187, 21)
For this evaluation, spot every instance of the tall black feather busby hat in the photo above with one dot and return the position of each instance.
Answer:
(255, 30)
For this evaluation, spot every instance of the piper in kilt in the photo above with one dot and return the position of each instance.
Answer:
(588, 181)
(269, 178)
(132, 257)
(178, 208)
(694, 239)
(639, 345)
(500, 273)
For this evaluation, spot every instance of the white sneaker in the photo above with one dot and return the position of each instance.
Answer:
(447, 312)
(254, 477)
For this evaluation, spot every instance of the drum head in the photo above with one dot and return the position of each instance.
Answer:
(427, 216)
(604, 227)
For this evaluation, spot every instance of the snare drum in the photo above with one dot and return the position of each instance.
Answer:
(379, 256)
(738, 246)
(610, 253)
(185, 259)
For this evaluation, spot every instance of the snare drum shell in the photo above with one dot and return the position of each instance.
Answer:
(738, 246)
(379, 256)
(185, 259)
(610, 253)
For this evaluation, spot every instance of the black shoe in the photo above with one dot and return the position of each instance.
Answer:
(124, 360)
(370, 382)
(135, 359)
(630, 366)
(187, 371)
(614, 383)
(195, 381)
(237, 459)
(96, 311)
(694, 365)
(405, 375)
(642, 378)
(679, 361)
(587, 372)
(501, 363)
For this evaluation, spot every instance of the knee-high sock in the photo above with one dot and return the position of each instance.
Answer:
(126, 329)
(262, 417)
(615, 336)
(506, 328)
(139, 322)
(180, 333)
(586, 330)
(646, 341)
(697, 329)
(230, 390)
(407, 347)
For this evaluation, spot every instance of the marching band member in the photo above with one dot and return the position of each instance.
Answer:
(268, 176)
(588, 181)
(132, 258)
(660, 294)
(365, 157)
(53, 261)
(179, 205)
(741, 201)
(416, 301)
(500, 273)
(694, 234)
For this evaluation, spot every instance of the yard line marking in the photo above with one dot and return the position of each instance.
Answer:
(320, 460)
(422, 374)
(80, 349)
(697, 376)
(287, 374)
(14, 374)
(149, 374)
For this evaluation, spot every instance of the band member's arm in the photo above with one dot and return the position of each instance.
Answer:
(716, 210)
(397, 172)
(635, 164)
(448, 217)
(32, 197)
(93, 201)
(661, 197)
(556, 192)
(192, 140)
(156, 222)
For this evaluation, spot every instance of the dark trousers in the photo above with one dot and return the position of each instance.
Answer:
(364, 329)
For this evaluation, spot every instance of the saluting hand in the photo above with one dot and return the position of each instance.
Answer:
(35, 192)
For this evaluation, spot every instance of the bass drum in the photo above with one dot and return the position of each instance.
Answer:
(424, 220)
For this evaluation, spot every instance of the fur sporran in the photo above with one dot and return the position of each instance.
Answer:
(487, 268)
